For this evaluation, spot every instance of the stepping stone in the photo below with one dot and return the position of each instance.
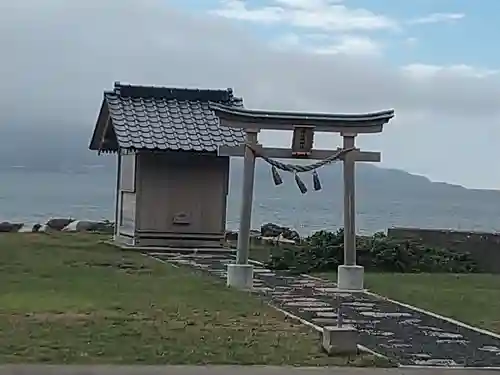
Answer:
(299, 299)
(350, 321)
(310, 285)
(444, 335)
(282, 288)
(396, 346)
(491, 349)
(263, 289)
(325, 321)
(376, 314)
(377, 333)
(306, 304)
(437, 362)
(205, 266)
(316, 309)
(422, 356)
(358, 304)
(333, 290)
(458, 342)
(410, 321)
(326, 314)
(303, 282)
(281, 295)
(427, 328)
(263, 271)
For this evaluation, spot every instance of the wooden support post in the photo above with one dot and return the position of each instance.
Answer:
(246, 201)
(118, 196)
(240, 274)
(349, 276)
(349, 203)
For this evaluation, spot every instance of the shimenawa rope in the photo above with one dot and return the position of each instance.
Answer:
(297, 168)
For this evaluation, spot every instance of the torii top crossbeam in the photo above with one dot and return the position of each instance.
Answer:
(322, 122)
(350, 275)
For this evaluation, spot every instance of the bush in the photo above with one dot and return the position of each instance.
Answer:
(324, 251)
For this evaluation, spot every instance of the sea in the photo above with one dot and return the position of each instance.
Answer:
(383, 200)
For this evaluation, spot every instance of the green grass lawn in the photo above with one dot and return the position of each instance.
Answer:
(71, 299)
(471, 298)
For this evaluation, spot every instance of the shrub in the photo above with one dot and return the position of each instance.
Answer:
(324, 251)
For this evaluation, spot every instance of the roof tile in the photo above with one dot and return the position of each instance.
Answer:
(169, 118)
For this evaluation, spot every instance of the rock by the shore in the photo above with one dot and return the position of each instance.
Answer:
(274, 230)
(268, 233)
(7, 227)
(89, 226)
(232, 235)
(58, 223)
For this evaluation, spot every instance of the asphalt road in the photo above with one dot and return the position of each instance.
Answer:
(224, 370)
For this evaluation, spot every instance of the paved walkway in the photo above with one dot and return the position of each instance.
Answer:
(401, 333)
(221, 370)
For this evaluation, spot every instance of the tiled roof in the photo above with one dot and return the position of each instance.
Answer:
(160, 118)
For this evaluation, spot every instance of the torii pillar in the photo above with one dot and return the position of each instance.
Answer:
(350, 276)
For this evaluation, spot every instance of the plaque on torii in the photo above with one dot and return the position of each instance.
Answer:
(304, 126)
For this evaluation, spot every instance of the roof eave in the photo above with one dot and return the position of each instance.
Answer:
(102, 118)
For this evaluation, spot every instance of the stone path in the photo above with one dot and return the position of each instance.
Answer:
(220, 370)
(410, 337)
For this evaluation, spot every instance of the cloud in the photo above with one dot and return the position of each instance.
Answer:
(323, 15)
(327, 44)
(314, 14)
(352, 45)
(58, 56)
(307, 4)
(236, 9)
(438, 18)
(427, 71)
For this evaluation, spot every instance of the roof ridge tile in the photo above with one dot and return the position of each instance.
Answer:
(179, 93)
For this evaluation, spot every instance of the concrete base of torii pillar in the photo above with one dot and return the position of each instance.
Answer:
(350, 278)
(240, 276)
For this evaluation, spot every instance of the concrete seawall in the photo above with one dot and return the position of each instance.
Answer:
(484, 247)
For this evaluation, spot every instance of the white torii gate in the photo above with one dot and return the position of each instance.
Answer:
(350, 275)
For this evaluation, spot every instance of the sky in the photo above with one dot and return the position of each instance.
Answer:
(433, 61)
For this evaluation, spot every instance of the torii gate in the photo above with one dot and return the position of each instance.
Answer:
(350, 275)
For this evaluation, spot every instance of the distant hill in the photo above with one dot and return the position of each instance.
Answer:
(52, 150)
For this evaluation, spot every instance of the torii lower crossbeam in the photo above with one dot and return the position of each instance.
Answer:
(286, 153)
